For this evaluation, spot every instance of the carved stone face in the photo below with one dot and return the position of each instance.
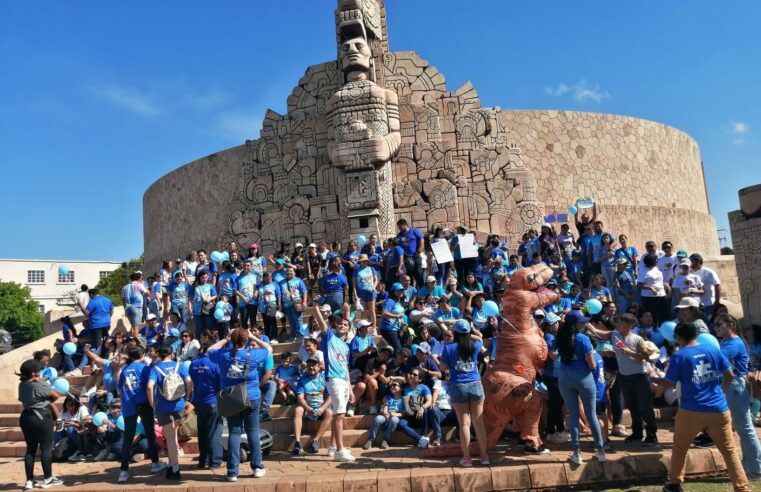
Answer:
(355, 55)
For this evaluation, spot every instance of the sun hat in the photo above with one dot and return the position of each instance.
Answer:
(551, 318)
(651, 349)
(363, 323)
(312, 245)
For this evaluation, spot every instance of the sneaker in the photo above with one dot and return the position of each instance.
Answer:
(331, 451)
(274, 342)
(313, 447)
(650, 441)
(436, 441)
(384, 444)
(158, 466)
(672, 487)
(633, 438)
(50, 482)
(264, 417)
(484, 460)
(373, 409)
(88, 457)
(344, 455)
(75, 457)
(466, 462)
(136, 458)
(259, 472)
(563, 437)
(112, 457)
(600, 455)
(350, 412)
(297, 449)
(607, 446)
(29, 485)
(367, 445)
(58, 425)
(423, 443)
(73, 373)
(231, 478)
(102, 455)
(619, 431)
(541, 449)
(123, 476)
(172, 474)
(575, 458)
(703, 441)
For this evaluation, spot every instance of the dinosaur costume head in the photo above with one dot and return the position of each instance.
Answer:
(531, 278)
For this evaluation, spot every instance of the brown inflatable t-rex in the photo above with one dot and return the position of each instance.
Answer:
(521, 350)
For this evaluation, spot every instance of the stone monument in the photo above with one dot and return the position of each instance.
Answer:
(745, 226)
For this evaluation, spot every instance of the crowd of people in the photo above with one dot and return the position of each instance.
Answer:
(202, 331)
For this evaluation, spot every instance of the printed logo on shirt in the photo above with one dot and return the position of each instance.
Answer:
(704, 373)
(463, 366)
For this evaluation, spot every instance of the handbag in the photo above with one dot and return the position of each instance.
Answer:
(208, 307)
(297, 306)
(234, 399)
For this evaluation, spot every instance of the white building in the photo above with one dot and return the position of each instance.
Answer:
(48, 287)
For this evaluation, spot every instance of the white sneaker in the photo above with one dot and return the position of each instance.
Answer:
(29, 485)
(274, 342)
(345, 456)
(259, 472)
(75, 457)
(600, 455)
(89, 392)
(564, 437)
(423, 443)
(158, 466)
(350, 412)
(331, 451)
(575, 458)
(123, 476)
(51, 482)
(230, 478)
(373, 410)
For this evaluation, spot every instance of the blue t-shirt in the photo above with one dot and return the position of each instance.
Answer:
(563, 304)
(599, 375)
(549, 364)
(288, 374)
(435, 293)
(350, 256)
(293, 291)
(393, 307)
(737, 354)
(205, 376)
(336, 353)
(461, 371)
(313, 389)
(100, 308)
(409, 240)
(199, 293)
(393, 257)
(628, 254)
(268, 295)
(163, 405)
(699, 370)
(595, 292)
(247, 285)
(132, 383)
(227, 284)
(359, 344)
(278, 276)
(333, 282)
(394, 404)
(231, 367)
(179, 294)
(364, 279)
(109, 382)
(421, 389)
(453, 314)
(582, 347)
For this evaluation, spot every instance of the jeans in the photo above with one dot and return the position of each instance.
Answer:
(392, 338)
(134, 315)
(639, 401)
(622, 303)
(181, 312)
(739, 401)
(71, 433)
(438, 417)
(391, 425)
(209, 434)
(202, 323)
(554, 405)
(294, 319)
(575, 384)
(145, 412)
(610, 277)
(414, 267)
(442, 274)
(334, 299)
(67, 362)
(92, 402)
(97, 338)
(269, 391)
(248, 422)
(617, 401)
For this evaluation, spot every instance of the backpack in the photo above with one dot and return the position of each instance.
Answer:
(173, 387)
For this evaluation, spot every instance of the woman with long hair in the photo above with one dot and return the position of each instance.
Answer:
(466, 392)
(232, 358)
(576, 381)
(738, 397)
(36, 422)
(204, 297)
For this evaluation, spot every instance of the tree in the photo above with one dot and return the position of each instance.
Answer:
(726, 250)
(111, 285)
(19, 314)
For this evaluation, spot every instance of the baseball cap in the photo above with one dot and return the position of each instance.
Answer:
(696, 257)
(687, 302)
(30, 366)
(576, 317)
(178, 273)
(462, 326)
(503, 244)
(684, 262)
(363, 323)
(312, 245)
(178, 260)
(398, 286)
(115, 403)
(682, 253)
(387, 348)
(363, 258)
(150, 317)
(551, 318)
(280, 261)
(451, 281)
(299, 245)
(539, 312)
(253, 246)
(424, 347)
(430, 279)
(313, 360)
(174, 332)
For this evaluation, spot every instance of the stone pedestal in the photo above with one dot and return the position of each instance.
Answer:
(745, 225)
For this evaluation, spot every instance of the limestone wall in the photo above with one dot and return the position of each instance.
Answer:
(646, 176)
(745, 225)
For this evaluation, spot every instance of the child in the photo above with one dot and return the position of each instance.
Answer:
(286, 376)
(223, 324)
(602, 399)
(646, 327)
(391, 413)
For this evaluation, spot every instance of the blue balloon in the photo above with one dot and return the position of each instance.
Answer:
(99, 418)
(221, 305)
(658, 338)
(573, 209)
(225, 256)
(708, 340)
(50, 373)
(120, 423)
(667, 330)
(304, 330)
(219, 314)
(69, 348)
(490, 309)
(216, 256)
(361, 240)
(61, 386)
(593, 306)
(63, 270)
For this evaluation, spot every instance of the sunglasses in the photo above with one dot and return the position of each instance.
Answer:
(185, 336)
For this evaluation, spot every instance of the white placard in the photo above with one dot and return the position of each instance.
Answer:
(468, 248)
(441, 251)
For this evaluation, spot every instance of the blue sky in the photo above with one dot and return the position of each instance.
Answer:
(99, 99)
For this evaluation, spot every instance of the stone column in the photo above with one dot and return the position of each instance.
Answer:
(745, 226)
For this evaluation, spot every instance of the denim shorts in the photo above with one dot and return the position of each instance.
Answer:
(366, 296)
(466, 392)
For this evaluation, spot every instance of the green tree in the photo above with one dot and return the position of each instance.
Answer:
(19, 314)
(726, 250)
(111, 285)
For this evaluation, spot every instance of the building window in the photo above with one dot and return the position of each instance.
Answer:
(41, 308)
(66, 279)
(102, 275)
(35, 276)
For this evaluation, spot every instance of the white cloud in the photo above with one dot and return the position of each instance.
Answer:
(129, 98)
(738, 130)
(240, 125)
(581, 91)
(164, 97)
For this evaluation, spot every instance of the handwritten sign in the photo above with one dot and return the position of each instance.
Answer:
(441, 252)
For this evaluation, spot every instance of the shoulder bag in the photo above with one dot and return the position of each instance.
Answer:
(234, 399)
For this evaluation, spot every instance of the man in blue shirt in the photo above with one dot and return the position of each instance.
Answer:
(412, 242)
(205, 376)
(98, 314)
(247, 291)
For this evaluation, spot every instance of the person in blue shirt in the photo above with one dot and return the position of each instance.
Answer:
(313, 403)
(431, 288)
(562, 305)
(466, 392)
(365, 281)
(555, 423)
(393, 262)
(629, 253)
(411, 240)
(108, 390)
(704, 376)
(513, 265)
(334, 285)
(286, 376)
(227, 285)
(601, 400)
(598, 290)
(204, 299)
(238, 364)
(278, 275)
(133, 382)
(392, 312)
(293, 298)
(576, 381)
(98, 316)
(206, 265)
(169, 412)
(576, 268)
(349, 263)
(248, 295)
(179, 295)
(625, 286)
(205, 376)
(390, 416)
(270, 302)
(446, 315)
(738, 397)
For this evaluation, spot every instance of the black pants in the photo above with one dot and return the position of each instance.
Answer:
(617, 401)
(130, 424)
(659, 307)
(37, 426)
(463, 267)
(554, 406)
(248, 315)
(97, 339)
(639, 401)
(270, 326)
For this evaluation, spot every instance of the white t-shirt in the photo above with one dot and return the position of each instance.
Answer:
(77, 416)
(666, 265)
(442, 401)
(642, 266)
(654, 278)
(83, 299)
(710, 279)
(683, 283)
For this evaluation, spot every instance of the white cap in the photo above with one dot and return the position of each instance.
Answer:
(362, 323)
(150, 317)
(539, 312)
(430, 278)
(299, 245)
(687, 302)
(312, 245)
